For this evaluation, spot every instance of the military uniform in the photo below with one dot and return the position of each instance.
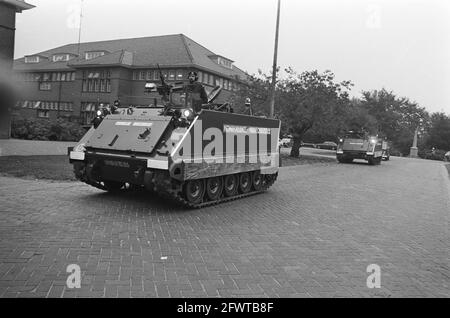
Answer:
(197, 96)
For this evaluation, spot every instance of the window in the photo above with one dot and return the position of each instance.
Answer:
(63, 77)
(180, 75)
(32, 59)
(171, 75)
(46, 77)
(156, 76)
(135, 75)
(211, 80)
(93, 55)
(65, 106)
(224, 62)
(61, 57)
(149, 75)
(45, 86)
(97, 81)
(142, 75)
(43, 113)
(73, 76)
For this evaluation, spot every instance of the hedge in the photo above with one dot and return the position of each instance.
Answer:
(43, 129)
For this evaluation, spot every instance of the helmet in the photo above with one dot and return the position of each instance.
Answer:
(192, 73)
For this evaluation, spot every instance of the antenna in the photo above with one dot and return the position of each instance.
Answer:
(79, 31)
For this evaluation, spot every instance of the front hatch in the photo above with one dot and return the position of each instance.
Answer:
(125, 134)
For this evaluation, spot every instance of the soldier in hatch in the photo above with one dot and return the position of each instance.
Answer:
(196, 91)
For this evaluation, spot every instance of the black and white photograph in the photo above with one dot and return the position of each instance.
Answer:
(225, 155)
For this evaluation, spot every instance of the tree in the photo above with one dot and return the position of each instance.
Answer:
(438, 135)
(257, 89)
(397, 117)
(311, 100)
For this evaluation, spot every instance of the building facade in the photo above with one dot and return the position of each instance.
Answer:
(73, 81)
(8, 10)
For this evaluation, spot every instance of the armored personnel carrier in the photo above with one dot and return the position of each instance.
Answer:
(359, 145)
(196, 157)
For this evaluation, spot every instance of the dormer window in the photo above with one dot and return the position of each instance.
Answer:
(222, 61)
(93, 55)
(32, 59)
(61, 57)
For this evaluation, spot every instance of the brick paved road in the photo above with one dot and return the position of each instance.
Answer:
(313, 234)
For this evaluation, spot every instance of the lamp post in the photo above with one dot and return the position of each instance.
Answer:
(274, 67)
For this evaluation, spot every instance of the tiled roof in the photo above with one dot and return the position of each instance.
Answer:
(114, 58)
(19, 5)
(168, 50)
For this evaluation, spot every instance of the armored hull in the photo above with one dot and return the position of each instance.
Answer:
(196, 161)
(355, 146)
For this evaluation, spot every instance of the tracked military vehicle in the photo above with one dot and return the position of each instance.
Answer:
(194, 156)
(359, 145)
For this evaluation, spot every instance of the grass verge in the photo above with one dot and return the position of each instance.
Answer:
(58, 167)
(287, 161)
(37, 167)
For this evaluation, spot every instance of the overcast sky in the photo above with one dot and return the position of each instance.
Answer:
(401, 45)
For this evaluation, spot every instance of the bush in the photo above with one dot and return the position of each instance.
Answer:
(43, 129)
(430, 155)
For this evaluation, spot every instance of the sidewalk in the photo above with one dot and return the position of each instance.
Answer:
(17, 147)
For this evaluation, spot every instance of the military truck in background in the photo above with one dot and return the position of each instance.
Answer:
(359, 145)
(194, 157)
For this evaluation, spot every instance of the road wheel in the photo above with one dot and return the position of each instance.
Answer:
(194, 190)
(245, 182)
(214, 188)
(371, 161)
(257, 180)
(113, 186)
(230, 185)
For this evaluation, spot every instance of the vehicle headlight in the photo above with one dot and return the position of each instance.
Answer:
(374, 141)
(188, 113)
(80, 148)
(99, 113)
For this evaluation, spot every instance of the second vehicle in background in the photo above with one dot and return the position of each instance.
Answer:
(327, 145)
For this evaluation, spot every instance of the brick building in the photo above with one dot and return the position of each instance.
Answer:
(8, 10)
(73, 80)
